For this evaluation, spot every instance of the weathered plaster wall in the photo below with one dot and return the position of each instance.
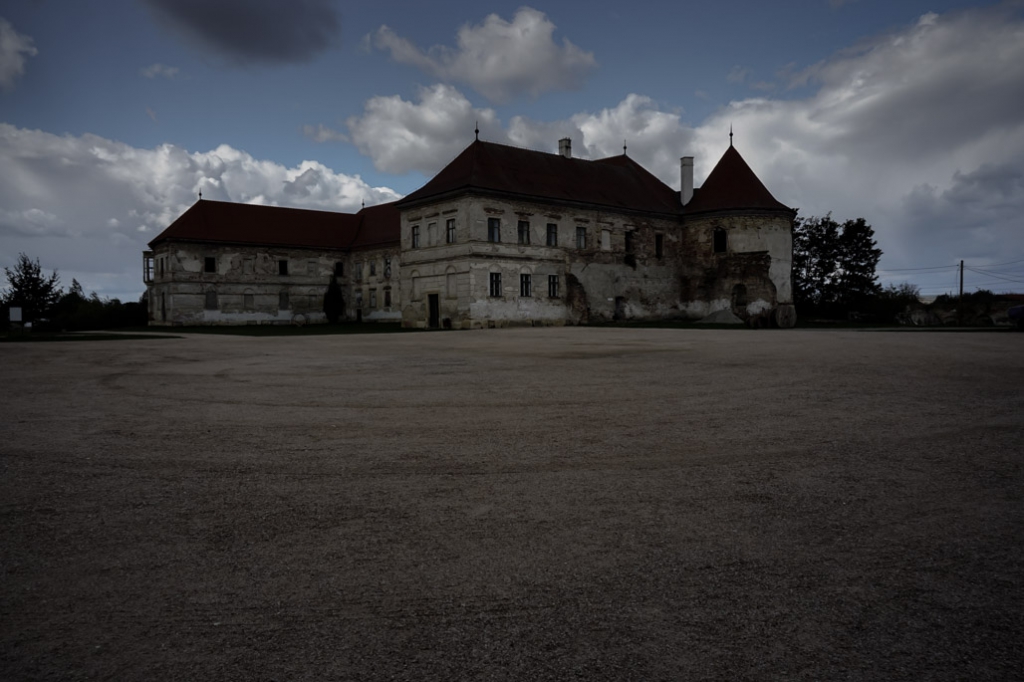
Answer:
(615, 284)
(247, 284)
(374, 285)
(758, 258)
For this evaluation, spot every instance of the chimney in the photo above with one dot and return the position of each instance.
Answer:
(686, 172)
(565, 147)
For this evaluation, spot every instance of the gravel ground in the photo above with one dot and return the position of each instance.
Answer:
(530, 504)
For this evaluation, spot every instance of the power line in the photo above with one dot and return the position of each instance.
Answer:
(989, 274)
(937, 267)
(996, 265)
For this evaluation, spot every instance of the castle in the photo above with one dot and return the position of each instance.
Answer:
(501, 236)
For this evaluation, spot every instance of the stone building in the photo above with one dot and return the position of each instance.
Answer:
(227, 263)
(501, 236)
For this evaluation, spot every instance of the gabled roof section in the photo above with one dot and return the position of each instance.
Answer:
(732, 186)
(222, 222)
(486, 167)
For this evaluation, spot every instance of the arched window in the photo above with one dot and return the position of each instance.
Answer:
(739, 297)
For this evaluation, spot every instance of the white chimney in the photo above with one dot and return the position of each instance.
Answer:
(565, 147)
(686, 171)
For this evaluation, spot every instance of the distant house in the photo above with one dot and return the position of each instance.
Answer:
(501, 236)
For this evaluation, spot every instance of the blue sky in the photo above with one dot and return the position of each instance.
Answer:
(114, 114)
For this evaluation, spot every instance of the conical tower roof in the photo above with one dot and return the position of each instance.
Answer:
(732, 186)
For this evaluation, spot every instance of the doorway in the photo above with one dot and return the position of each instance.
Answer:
(434, 320)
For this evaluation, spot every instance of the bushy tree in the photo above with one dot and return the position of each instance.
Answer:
(334, 303)
(834, 265)
(30, 289)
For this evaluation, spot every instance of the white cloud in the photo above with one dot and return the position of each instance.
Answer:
(402, 136)
(15, 48)
(159, 70)
(321, 133)
(88, 205)
(919, 131)
(499, 59)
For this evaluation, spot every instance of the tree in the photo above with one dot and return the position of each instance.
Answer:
(30, 289)
(334, 303)
(834, 265)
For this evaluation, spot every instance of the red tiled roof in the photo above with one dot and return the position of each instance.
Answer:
(230, 223)
(617, 182)
(733, 186)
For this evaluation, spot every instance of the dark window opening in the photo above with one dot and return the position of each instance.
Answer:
(552, 234)
(659, 246)
(282, 267)
(494, 230)
(415, 236)
(211, 300)
(373, 268)
(581, 237)
(720, 241)
(387, 298)
(524, 232)
(450, 231)
(553, 286)
(495, 282)
(387, 267)
(525, 286)
(629, 241)
(339, 269)
(210, 264)
(282, 301)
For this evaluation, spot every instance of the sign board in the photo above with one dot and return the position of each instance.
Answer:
(15, 314)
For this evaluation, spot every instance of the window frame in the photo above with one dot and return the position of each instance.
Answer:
(553, 286)
(552, 235)
(525, 285)
(494, 284)
(659, 246)
(523, 232)
(449, 231)
(581, 237)
(210, 301)
(210, 265)
(494, 230)
(415, 238)
(282, 267)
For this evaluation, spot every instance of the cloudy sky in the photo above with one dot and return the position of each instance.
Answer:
(114, 114)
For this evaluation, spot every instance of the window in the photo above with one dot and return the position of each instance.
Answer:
(387, 298)
(359, 298)
(450, 231)
(248, 266)
(248, 300)
(739, 297)
(496, 284)
(451, 285)
(431, 234)
(629, 241)
(553, 286)
(282, 267)
(211, 300)
(160, 263)
(147, 269)
(552, 234)
(339, 269)
(524, 232)
(659, 246)
(373, 268)
(373, 298)
(581, 237)
(525, 286)
(387, 267)
(606, 240)
(358, 267)
(415, 236)
(282, 301)
(210, 264)
(720, 241)
(494, 230)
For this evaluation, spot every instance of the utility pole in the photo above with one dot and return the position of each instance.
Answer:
(960, 301)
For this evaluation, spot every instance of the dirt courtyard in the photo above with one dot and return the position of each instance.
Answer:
(530, 504)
